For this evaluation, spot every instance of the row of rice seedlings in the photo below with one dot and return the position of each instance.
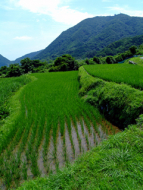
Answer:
(44, 115)
(68, 121)
(11, 136)
(9, 157)
(64, 147)
(75, 120)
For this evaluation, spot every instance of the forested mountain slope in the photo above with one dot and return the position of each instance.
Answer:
(93, 34)
(119, 46)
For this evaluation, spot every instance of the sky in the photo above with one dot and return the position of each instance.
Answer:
(30, 25)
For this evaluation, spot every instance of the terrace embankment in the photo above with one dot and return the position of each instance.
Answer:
(120, 103)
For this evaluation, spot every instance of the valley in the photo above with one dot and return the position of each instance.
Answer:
(71, 117)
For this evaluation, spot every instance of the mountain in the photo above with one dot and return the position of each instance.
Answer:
(4, 61)
(93, 34)
(30, 55)
(119, 46)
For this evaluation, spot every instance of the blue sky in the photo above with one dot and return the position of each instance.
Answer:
(31, 25)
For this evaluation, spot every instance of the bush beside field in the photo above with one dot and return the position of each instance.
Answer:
(121, 104)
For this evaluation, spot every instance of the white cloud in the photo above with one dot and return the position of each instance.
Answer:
(55, 9)
(126, 10)
(23, 38)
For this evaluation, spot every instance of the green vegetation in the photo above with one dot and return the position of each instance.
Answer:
(121, 46)
(53, 127)
(120, 103)
(7, 88)
(119, 73)
(137, 60)
(115, 164)
(64, 63)
(26, 66)
(92, 35)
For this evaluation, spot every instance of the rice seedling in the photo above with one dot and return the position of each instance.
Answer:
(48, 105)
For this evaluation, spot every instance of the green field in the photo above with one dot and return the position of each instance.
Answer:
(119, 73)
(114, 164)
(53, 128)
(7, 87)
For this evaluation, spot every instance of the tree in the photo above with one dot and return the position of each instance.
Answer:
(96, 59)
(133, 49)
(64, 63)
(14, 70)
(3, 69)
(110, 60)
(26, 65)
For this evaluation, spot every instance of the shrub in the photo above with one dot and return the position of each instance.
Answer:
(64, 63)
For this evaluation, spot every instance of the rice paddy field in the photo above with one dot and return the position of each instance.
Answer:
(7, 87)
(54, 126)
(119, 73)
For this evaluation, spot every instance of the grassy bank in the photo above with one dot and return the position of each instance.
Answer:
(120, 103)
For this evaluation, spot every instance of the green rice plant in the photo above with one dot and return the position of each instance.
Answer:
(119, 73)
(64, 149)
(68, 120)
(47, 104)
(87, 141)
(24, 171)
(81, 123)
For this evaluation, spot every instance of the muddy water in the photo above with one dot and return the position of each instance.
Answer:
(75, 141)
(82, 137)
(60, 151)
(68, 147)
(51, 165)
(73, 144)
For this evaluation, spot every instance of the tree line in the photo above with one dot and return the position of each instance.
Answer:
(26, 65)
(64, 63)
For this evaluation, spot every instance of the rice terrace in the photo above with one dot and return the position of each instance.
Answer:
(75, 122)
(53, 128)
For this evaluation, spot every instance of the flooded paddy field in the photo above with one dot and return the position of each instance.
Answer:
(54, 128)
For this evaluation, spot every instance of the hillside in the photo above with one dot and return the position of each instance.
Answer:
(93, 34)
(119, 46)
(29, 55)
(4, 61)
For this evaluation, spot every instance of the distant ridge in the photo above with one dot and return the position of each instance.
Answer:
(29, 55)
(4, 61)
(93, 34)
